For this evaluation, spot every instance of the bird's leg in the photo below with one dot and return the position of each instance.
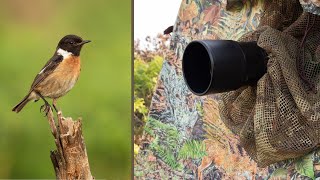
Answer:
(54, 102)
(46, 107)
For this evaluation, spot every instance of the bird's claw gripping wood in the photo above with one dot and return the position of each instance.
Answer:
(45, 108)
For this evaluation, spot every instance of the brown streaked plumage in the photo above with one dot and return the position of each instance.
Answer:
(59, 74)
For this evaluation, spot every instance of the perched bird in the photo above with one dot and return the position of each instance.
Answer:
(58, 75)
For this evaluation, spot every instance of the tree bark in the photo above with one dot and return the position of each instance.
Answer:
(70, 159)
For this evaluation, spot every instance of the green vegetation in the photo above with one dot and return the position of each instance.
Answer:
(165, 154)
(304, 166)
(166, 141)
(167, 144)
(29, 34)
(145, 79)
(192, 149)
(147, 65)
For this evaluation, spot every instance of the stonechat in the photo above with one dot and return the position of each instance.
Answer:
(58, 75)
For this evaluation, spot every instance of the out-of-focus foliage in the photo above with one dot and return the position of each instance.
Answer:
(147, 64)
(29, 33)
(139, 107)
(145, 78)
(136, 149)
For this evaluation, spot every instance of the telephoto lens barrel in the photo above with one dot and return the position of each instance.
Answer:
(215, 66)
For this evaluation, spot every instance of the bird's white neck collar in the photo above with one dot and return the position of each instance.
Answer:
(64, 53)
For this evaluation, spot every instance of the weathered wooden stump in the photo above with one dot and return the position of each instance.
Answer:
(70, 159)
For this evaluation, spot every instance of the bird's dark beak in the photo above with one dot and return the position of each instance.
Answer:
(84, 42)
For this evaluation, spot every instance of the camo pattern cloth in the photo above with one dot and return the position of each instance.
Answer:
(311, 6)
(174, 104)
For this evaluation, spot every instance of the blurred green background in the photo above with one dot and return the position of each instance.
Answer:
(29, 33)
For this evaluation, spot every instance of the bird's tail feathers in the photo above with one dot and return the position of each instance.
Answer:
(24, 101)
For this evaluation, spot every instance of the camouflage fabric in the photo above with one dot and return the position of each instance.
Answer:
(197, 118)
(311, 6)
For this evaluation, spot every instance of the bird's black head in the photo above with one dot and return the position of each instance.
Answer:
(72, 44)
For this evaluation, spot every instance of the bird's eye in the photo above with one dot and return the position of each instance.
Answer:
(71, 42)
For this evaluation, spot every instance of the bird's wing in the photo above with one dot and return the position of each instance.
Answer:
(47, 69)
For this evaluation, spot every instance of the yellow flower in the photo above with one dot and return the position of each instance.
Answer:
(136, 149)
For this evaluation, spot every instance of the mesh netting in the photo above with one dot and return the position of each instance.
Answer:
(279, 118)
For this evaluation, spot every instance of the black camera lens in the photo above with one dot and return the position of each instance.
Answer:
(214, 66)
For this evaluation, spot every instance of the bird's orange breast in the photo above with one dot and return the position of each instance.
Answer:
(62, 79)
(70, 65)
